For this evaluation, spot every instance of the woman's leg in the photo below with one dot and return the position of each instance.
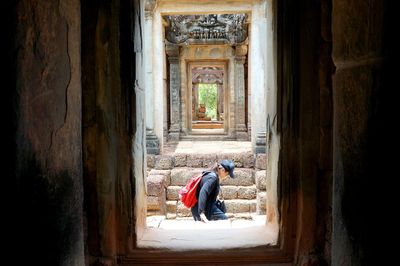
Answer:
(217, 214)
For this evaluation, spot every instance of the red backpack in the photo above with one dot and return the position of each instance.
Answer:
(187, 194)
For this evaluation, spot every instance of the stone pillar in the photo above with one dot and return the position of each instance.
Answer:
(152, 143)
(240, 58)
(195, 101)
(220, 103)
(174, 87)
(158, 69)
(258, 66)
(249, 109)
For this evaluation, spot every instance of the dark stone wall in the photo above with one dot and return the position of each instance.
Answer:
(364, 102)
(45, 99)
(108, 119)
(315, 133)
(308, 120)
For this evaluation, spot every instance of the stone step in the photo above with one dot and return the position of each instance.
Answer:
(181, 175)
(246, 193)
(227, 192)
(205, 160)
(167, 174)
(176, 209)
(198, 137)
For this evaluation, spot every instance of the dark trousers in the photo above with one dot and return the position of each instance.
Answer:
(216, 214)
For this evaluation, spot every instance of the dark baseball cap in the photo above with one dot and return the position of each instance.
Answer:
(228, 165)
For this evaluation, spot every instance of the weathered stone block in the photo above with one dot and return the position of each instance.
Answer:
(243, 177)
(171, 206)
(153, 203)
(182, 211)
(195, 160)
(229, 192)
(235, 206)
(248, 160)
(164, 162)
(172, 192)
(151, 159)
(253, 205)
(228, 156)
(165, 173)
(155, 185)
(261, 203)
(261, 179)
(180, 176)
(261, 161)
(180, 160)
(248, 192)
(209, 160)
(241, 160)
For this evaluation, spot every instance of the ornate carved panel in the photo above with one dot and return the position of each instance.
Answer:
(227, 28)
(207, 75)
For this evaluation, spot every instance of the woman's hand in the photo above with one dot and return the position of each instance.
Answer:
(203, 218)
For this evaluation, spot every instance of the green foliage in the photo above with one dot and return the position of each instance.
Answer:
(208, 96)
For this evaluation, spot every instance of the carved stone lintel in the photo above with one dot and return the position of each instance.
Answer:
(152, 143)
(209, 75)
(229, 28)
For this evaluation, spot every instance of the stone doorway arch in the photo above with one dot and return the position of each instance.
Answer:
(203, 74)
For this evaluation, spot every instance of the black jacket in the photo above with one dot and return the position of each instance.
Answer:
(207, 193)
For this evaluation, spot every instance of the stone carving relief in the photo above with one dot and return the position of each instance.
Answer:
(207, 75)
(229, 28)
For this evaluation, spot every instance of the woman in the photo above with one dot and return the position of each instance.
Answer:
(207, 192)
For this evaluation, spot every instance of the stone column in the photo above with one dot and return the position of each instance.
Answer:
(258, 66)
(195, 100)
(152, 143)
(240, 58)
(174, 87)
(220, 104)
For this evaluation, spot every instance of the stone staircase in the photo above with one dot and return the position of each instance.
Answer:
(167, 174)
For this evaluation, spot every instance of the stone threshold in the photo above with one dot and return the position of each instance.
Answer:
(212, 236)
(187, 234)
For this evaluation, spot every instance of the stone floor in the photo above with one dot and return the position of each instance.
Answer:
(188, 223)
(204, 147)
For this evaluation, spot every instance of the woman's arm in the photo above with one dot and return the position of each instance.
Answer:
(208, 186)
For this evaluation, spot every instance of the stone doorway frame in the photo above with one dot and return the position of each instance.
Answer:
(190, 64)
(283, 169)
(127, 199)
